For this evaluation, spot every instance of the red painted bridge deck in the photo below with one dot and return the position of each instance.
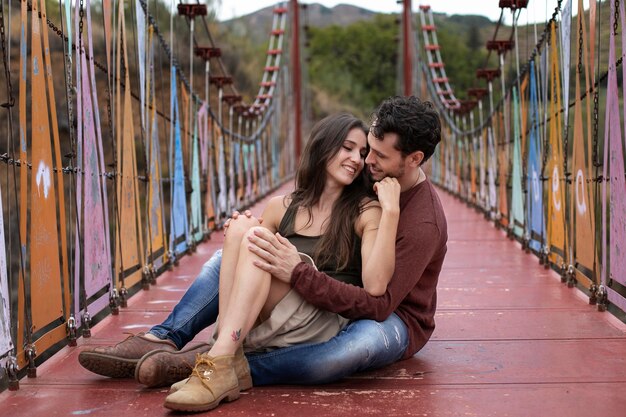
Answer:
(511, 340)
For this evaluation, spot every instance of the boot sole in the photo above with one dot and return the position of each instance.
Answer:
(245, 383)
(172, 374)
(106, 365)
(227, 397)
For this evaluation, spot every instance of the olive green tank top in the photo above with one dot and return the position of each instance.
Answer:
(306, 244)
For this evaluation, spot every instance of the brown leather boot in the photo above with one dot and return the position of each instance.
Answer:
(119, 361)
(212, 381)
(163, 367)
(242, 370)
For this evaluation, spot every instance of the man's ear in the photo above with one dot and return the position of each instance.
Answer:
(415, 159)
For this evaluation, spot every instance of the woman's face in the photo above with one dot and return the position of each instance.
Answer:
(348, 163)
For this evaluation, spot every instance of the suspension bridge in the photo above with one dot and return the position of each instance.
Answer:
(117, 175)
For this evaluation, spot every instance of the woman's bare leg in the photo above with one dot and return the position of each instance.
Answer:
(250, 292)
(230, 257)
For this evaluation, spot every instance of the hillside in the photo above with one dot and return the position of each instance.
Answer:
(255, 26)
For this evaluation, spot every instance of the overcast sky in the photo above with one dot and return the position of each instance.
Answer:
(538, 10)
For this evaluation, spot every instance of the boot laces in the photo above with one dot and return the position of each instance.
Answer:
(204, 366)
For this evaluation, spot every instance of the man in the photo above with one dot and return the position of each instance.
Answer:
(394, 326)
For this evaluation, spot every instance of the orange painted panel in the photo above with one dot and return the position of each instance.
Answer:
(129, 245)
(23, 327)
(554, 169)
(582, 204)
(45, 266)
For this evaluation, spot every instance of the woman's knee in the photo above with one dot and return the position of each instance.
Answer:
(251, 230)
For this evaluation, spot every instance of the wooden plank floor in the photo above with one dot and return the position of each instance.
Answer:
(511, 340)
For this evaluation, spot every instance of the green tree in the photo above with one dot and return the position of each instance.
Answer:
(353, 65)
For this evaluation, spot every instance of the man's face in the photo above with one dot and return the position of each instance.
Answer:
(383, 159)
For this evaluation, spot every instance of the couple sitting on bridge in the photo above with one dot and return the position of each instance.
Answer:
(372, 301)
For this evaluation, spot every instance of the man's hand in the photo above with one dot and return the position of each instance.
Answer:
(236, 215)
(388, 192)
(278, 256)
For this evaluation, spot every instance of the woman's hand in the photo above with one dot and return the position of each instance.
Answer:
(278, 255)
(235, 216)
(388, 191)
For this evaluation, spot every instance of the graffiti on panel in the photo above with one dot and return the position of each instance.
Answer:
(534, 185)
(503, 168)
(610, 189)
(492, 167)
(6, 343)
(221, 173)
(197, 232)
(129, 241)
(581, 203)
(178, 219)
(554, 169)
(516, 219)
(617, 205)
(91, 194)
(156, 218)
(206, 163)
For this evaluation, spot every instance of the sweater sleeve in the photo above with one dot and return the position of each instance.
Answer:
(414, 251)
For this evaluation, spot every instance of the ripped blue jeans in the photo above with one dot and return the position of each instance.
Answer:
(363, 345)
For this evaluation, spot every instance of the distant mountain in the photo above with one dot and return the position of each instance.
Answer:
(341, 14)
(257, 25)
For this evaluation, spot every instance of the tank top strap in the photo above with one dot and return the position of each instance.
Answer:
(286, 226)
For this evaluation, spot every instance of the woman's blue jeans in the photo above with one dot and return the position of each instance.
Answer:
(362, 345)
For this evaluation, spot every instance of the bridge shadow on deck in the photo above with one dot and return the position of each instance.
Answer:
(511, 340)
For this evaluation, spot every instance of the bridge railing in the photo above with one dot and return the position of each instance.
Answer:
(103, 188)
(552, 178)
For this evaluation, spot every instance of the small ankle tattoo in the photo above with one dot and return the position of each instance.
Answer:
(236, 335)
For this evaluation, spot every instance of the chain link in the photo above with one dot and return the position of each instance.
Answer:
(580, 47)
(61, 35)
(81, 13)
(68, 90)
(616, 17)
(566, 174)
(596, 162)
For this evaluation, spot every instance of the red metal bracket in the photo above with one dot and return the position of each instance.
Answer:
(466, 106)
(436, 65)
(271, 69)
(424, 7)
(477, 92)
(192, 10)
(239, 108)
(206, 52)
(500, 46)
(429, 28)
(513, 4)
(433, 47)
(231, 99)
(488, 74)
(440, 80)
(220, 81)
(280, 10)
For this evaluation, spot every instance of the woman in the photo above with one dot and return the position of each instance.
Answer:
(332, 217)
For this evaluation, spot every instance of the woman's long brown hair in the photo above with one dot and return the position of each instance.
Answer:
(336, 245)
